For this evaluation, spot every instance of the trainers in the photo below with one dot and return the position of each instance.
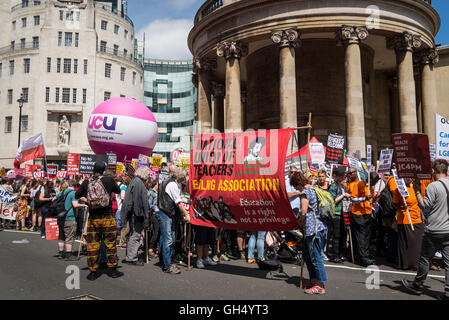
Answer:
(209, 261)
(93, 275)
(412, 287)
(71, 257)
(251, 261)
(200, 264)
(315, 290)
(114, 273)
(325, 258)
(215, 258)
(61, 255)
(173, 270)
(443, 297)
(224, 257)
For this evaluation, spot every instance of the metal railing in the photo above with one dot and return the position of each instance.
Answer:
(19, 47)
(114, 11)
(27, 4)
(210, 6)
(120, 53)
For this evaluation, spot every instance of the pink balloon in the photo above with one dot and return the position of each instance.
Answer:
(123, 126)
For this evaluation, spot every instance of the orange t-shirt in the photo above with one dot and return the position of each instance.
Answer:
(412, 205)
(358, 189)
(391, 184)
(424, 185)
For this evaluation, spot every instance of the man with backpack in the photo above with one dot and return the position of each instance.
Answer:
(65, 206)
(97, 192)
(435, 206)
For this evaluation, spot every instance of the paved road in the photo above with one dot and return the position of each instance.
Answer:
(29, 271)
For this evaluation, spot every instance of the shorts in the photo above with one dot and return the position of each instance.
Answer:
(204, 235)
(241, 233)
(67, 231)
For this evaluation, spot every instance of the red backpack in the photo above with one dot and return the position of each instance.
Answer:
(114, 204)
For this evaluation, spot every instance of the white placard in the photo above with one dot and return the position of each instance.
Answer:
(442, 137)
(386, 158)
(402, 187)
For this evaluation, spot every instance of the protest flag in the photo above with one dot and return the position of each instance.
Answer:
(30, 149)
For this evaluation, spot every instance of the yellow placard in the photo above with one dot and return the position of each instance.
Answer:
(120, 168)
(184, 162)
(156, 162)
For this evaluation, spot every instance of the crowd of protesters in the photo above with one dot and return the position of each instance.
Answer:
(147, 219)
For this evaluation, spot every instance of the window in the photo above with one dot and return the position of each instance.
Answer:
(107, 70)
(24, 22)
(25, 94)
(116, 29)
(107, 95)
(11, 67)
(69, 16)
(10, 93)
(35, 42)
(134, 78)
(61, 15)
(48, 64)
(57, 95)
(125, 53)
(74, 95)
(65, 95)
(77, 39)
(126, 34)
(122, 96)
(67, 65)
(103, 46)
(122, 74)
(14, 25)
(22, 43)
(115, 49)
(78, 15)
(68, 39)
(59, 38)
(104, 25)
(47, 94)
(26, 65)
(1, 69)
(85, 66)
(58, 65)
(75, 65)
(13, 44)
(37, 20)
(8, 124)
(84, 95)
(24, 124)
(25, 3)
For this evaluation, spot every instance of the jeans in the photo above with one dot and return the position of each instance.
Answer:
(430, 245)
(44, 211)
(117, 218)
(167, 239)
(313, 247)
(260, 244)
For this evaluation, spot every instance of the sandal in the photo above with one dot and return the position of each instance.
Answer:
(173, 270)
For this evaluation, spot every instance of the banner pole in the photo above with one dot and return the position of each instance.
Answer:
(146, 244)
(408, 214)
(352, 248)
(188, 254)
(86, 216)
(309, 126)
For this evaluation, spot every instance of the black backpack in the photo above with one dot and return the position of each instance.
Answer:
(37, 203)
(386, 204)
(57, 207)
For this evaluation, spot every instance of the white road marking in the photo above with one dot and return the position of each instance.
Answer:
(384, 271)
(19, 231)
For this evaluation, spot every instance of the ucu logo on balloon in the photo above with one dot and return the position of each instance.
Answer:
(96, 122)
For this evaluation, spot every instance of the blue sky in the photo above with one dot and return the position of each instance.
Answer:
(167, 23)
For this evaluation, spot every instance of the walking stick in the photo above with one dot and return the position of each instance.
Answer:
(86, 217)
(408, 214)
(302, 263)
(146, 244)
(350, 242)
(185, 237)
(188, 254)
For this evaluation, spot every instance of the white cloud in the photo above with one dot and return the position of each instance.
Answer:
(167, 39)
(180, 4)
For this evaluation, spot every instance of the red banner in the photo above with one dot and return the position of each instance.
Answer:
(73, 164)
(61, 174)
(29, 170)
(237, 181)
(412, 155)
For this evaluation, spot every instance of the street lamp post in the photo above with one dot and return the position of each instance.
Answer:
(20, 101)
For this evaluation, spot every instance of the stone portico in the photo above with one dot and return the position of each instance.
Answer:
(365, 72)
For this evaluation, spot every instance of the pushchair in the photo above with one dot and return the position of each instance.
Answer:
(284, 246)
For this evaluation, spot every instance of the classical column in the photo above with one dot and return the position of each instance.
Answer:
(233, 51)
(202, 67)
(287, 41)
(355, 115)
(428, 59)
(218, 92)
(404, 45)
